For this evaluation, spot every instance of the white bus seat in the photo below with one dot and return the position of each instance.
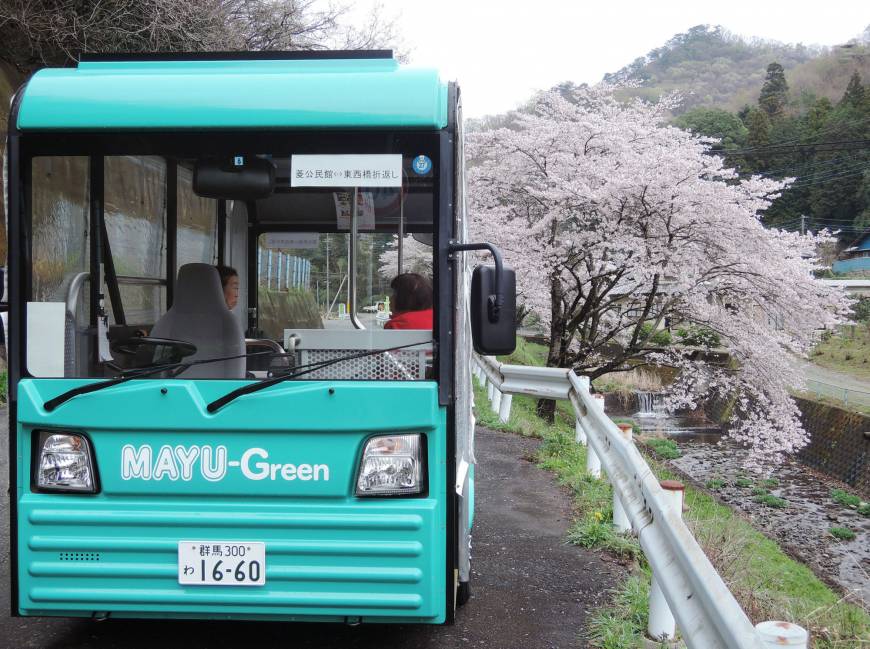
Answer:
(199, 315)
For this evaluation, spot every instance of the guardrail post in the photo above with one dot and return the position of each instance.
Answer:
(579, 433)
(593, 462)
(496, 400)
(490, 387)
(662, 625)
(779, 634)
(504, 412)
(620, 518)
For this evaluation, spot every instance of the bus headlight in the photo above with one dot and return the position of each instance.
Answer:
(64, 463)
(391, 466)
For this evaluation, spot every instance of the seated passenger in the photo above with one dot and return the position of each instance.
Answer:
(230, 285)
(411, 303)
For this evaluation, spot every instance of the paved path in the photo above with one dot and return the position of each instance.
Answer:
(835, 384)
(530, 590)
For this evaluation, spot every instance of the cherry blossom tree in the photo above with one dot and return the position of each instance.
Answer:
(618, 225)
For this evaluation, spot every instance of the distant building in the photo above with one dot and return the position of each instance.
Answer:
(856, 257)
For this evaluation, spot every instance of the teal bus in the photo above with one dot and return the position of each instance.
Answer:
(213, 413)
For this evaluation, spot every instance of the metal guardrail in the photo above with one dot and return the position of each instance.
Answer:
(701, 604)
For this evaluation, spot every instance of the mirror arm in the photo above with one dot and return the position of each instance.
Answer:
(494, 302)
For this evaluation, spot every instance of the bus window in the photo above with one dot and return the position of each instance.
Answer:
(197, 222)
(135, 215)
(60, 261)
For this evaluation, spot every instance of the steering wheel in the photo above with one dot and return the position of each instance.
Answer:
(162, 350)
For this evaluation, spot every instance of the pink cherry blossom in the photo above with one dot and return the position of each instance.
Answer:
(612, 220)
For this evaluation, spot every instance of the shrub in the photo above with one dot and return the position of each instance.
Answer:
(661, 337)
(698, 336)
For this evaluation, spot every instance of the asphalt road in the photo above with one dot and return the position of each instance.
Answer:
(530, 589)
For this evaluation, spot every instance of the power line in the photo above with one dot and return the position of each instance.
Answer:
(796, 166)
(839, 144)
(823, 179)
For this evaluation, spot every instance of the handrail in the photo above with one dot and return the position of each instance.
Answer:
(72, 292)
(706, 612)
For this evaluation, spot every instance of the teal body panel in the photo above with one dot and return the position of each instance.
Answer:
(329, 555)
(143, 95)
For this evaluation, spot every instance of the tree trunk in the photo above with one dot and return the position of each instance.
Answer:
(546, 408)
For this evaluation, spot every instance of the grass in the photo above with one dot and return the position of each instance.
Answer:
(4, 385)
(842, 533)
(636, 380)
(845, 498)
(769, 500)
(714, 484)
(766, 582)
(664, 448)
(848, 351)
(850, 500)
(743, 483)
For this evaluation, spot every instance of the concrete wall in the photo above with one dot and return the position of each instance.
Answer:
(839, 440)
(839, 443)
(281, 310)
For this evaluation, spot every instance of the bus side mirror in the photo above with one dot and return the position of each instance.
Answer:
(493, 317)
(241, 178)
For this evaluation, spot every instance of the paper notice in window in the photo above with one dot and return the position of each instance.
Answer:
(364, 170)
(365, 210)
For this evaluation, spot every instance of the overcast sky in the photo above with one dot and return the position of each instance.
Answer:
(501, 51)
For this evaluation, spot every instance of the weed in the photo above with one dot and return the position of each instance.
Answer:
(769, 500)
(845, 498)
(743, 483)
(759, 491)
(665, 448)
(842, 533)
(715, 483)
(770, 483)
(864, 509)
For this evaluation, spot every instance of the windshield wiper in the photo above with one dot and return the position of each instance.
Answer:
(177, 368)
(217, 404)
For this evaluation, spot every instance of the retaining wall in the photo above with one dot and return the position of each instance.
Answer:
(839, 443)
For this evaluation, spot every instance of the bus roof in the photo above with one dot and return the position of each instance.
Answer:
(234, 92)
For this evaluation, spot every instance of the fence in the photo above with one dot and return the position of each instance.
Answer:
(280, 271)
(846, 395)
(686, 590)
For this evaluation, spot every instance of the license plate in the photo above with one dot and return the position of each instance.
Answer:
(221, 563)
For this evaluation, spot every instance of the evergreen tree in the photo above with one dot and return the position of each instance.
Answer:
(854, 95)
(774, 92)
(758, 135)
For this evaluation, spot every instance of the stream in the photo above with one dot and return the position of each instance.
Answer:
(802, 527)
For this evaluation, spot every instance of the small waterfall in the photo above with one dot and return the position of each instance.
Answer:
(650, 404)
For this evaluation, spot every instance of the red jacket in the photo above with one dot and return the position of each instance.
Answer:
(410, 320)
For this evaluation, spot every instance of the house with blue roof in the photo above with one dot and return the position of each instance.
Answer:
(856, 257)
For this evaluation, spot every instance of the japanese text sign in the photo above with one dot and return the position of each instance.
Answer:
(373, 170)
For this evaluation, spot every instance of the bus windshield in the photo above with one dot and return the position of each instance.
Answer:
(281, 282)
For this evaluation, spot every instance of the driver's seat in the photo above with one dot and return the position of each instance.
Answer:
(199, 315)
